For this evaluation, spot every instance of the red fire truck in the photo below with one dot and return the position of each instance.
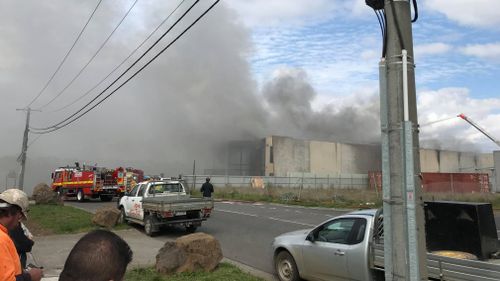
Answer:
(94, 182)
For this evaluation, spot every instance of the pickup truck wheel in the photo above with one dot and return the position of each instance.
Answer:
(286, 267)
(80, 196)
(123, 216)
(191, 229)
(149, 225)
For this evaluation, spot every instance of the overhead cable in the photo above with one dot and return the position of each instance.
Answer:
(118, 66)
(123, 73)
(60, 125)
(92, 58)
(66, 56)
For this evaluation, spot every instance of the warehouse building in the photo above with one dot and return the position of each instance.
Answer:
(285, 156)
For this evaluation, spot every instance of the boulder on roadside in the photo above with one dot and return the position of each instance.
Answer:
(169, 258)
(107, 217)
(189, 253)
(43, 194)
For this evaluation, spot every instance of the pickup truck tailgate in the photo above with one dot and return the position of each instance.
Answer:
(176, 204)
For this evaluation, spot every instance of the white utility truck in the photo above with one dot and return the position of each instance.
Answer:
(159, 203)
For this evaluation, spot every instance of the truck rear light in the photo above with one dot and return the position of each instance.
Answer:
(206, 212)
(168, 214)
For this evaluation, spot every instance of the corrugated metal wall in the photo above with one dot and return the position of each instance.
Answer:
(444, 182)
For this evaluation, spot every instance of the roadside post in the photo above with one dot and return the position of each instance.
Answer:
(404, 232)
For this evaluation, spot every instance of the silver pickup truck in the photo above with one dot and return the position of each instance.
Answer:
(161, 203)
(350, 247)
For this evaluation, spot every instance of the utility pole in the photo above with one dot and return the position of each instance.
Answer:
(24, 148)
(404, 232)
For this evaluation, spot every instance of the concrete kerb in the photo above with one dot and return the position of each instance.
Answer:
(51, 252)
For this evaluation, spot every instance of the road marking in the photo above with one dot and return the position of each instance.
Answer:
(236, 212)
(271, 218)
(289, 221)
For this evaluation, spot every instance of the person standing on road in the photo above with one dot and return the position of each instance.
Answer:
(207, 188)
(13, 207)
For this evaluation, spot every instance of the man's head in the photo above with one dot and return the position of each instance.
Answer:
(207, 179)
(14, 206)
(100, 255)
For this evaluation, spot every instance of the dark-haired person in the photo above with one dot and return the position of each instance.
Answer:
(13, 207)
(100, 255)
(207, 188)
(23, 240)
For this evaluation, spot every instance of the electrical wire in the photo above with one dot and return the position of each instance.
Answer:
(66, 56)
(34, 140)
(384, 39)
(123, 73)
(56, 127)
(92, 58)
(118, 66)
(415, 8)
(380, 22)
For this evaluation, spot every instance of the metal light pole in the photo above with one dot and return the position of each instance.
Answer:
(404, 233)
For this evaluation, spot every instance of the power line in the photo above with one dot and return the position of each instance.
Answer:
(123, 73)
(92, 58)
(66, 56)
(118, 66)
(33, 141)
(57, 126)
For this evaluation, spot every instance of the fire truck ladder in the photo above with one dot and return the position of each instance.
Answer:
(479, 128)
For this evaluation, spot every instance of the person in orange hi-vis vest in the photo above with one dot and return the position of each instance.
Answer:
(13, 208)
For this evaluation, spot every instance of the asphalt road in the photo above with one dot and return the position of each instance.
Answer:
(245, 230)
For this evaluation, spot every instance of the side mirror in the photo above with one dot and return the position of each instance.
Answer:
(310, 237)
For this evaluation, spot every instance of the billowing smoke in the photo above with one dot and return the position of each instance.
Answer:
(289, 97)
(186, 106)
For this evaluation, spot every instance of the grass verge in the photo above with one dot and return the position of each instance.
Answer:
(58, 219)
(336, 198)
(224, 272)
(319, 197)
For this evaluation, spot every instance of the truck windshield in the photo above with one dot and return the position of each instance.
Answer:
(165, 188)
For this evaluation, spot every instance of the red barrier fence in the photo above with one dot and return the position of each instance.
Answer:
(443, 182)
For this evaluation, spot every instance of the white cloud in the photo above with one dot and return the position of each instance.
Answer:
(482, 13)
(263, 12)
(484, 51)
(431, 49)
(296, 12)
(445, 104)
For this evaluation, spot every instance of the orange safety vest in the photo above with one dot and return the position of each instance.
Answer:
(10, 265)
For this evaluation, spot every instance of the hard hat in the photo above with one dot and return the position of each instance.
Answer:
(17, 197)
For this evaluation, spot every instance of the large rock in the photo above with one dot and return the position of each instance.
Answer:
(189, 253)
(170, 258)
(42, 194)
(107, 217)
